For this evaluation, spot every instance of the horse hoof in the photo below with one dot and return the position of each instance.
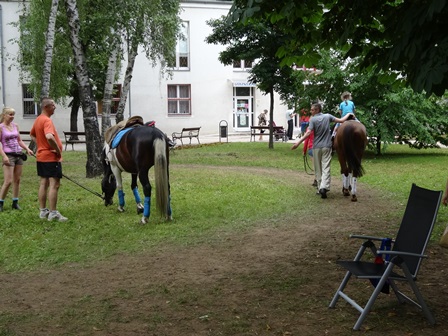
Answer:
(140, 208)
(121, 209)
(354, 198)
(345, 192)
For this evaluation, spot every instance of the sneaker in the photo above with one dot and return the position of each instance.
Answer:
(15, 206)
(56, 215)
(44, 213)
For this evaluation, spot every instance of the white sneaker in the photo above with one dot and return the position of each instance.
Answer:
(56, 215)
(44, 213)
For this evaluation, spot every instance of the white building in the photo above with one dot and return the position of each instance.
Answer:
(202, 91)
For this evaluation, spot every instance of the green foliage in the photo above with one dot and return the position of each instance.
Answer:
(408, 37)
(391, 112)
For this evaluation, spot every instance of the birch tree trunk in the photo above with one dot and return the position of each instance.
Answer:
(93, 138)
(271, 117)
(49, 43)
(132, 54)
(108, 90)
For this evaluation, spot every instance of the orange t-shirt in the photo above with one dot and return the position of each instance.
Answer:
(42, 126)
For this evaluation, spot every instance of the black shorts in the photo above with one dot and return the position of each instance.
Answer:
(49, 169)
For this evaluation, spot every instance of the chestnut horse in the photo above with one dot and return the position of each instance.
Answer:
(139, 149)
(350, 143)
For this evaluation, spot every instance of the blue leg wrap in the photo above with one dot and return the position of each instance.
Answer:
(136, 195)
(170, 211)
(147, 207)
(121, 198)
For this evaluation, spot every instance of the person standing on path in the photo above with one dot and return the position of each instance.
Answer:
(290, 120)
(49, 158)
(12, 158)
(262, 121)
(322, 146)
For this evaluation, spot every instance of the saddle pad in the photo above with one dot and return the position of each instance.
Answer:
(119, 136)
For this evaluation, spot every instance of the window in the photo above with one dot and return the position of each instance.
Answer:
(179, 101)
(30, 107)
(116, 96)
(242, 64)
(182, 57)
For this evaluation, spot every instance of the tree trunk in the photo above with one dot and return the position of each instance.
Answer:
(93, 138)
(74, 109)
(271, 117)
(49, 43)
(132, 54)
(108, 91)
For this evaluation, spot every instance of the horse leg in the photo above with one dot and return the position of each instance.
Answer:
(345, 175)
(144, 180)
(345, 184)
(121, 201)
(169, 211)
(353, 184)
(137, 198)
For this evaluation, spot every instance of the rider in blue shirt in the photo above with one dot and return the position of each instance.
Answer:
(345, 107)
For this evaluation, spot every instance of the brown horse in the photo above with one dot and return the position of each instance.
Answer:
(350, 143)
(140, 149)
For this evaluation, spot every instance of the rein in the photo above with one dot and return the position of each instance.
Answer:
(307, 166)
(85, 188)
(91, 191)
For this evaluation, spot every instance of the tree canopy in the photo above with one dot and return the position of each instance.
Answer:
(401, 38)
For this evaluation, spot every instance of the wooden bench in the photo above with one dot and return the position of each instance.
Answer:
(72, 138)
(187, 132)
(279, 132)
(25, 136)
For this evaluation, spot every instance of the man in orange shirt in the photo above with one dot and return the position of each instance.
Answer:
(49, 157)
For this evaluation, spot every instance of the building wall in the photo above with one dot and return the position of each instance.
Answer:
(211, 82)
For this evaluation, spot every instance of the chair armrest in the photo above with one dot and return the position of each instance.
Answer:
(399, 253)
(367, 237)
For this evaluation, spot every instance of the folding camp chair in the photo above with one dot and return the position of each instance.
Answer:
(405, 256)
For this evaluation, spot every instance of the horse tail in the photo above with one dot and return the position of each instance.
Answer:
(161, 176)
(354, 148)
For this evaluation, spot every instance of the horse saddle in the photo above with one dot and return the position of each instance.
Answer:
(112, 131)
(117, 138)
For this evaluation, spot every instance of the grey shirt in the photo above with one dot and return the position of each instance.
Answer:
(320, 123)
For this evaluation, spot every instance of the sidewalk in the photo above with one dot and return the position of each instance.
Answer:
(232, 137)
(204, 139)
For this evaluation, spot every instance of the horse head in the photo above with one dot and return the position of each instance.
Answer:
(108, 186)
(108, 183)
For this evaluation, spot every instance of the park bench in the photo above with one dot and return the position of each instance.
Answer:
(25, 136)
(187, 132)
(72, 138)
(278, 132)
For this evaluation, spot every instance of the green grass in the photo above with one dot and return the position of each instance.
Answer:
(210, 194)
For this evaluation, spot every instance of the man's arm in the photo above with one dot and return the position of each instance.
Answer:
(302, 138)
(52, 142)
(341, 120)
